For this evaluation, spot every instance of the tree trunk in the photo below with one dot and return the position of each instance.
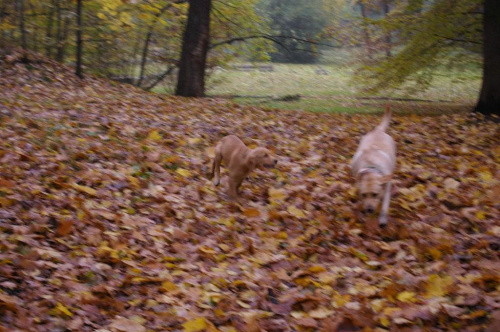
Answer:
(79, 41)
(3, 13)
(61, 50)
(385, 8)
(48, 34)
(366, 32)
(59, 31)
(144, 57)
(149, 35)
(191, 79)
(489, 98)
(22, 30)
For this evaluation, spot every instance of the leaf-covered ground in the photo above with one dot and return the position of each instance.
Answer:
(109, 222)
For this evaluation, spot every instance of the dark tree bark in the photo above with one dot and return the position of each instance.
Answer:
(366, 32)
(22, 30)
(385, 8)
(48, 34)
(489, 98)
(61, 50)
(79, 41)
(191, 79)
(4, 6)
(59, 32)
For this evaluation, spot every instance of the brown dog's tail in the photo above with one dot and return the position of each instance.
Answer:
(387, 118)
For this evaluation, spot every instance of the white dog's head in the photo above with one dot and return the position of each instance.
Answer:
(371, 189)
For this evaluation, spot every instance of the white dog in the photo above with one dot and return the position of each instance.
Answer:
(373, 166)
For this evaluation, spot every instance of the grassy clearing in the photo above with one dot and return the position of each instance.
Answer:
(329, 88)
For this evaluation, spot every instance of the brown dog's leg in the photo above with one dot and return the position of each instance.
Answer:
(239, 181)
(382, 220)
(232, 187)
(216, 167)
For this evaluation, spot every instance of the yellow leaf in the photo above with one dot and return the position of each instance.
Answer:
(406, 296)
(194, 140)
(438, 286)
(435, 253)
(282, 235)
(384, 321)
(358, 254)
(390, 311)
(486, 176)
(296, 212)
(341, 300)
(276, 194)
(154, 135)
(316, 269)
(304, 282)
(195, 325)
(84, 189)
(134, 181)
(61, 310)
(496, 153)
(139, 280)
(169, 286)
(183, 172)
(206, 250)
(224, 247)
(243, 304)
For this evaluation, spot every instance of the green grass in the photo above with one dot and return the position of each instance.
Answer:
(450, 91)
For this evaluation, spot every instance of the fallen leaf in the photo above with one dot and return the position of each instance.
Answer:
(126, 325)
(295, 212)
(183, 172)
(195, 325)
(85, 189)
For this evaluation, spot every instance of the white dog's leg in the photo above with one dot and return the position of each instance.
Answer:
(382, 220)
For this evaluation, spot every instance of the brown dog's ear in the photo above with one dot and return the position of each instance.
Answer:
(251, 160)
(386, 178)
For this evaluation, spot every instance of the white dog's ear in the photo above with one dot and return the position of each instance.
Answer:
(361, 173)
(386, 178)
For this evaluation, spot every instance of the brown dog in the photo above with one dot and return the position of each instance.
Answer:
(239, 160)
(373, 165)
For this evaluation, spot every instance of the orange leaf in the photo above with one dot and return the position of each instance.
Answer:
(64, 228)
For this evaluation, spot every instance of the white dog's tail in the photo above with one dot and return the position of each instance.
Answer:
(387, 118)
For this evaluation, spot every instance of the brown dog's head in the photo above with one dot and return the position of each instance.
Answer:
(262, 157)
(371, 189)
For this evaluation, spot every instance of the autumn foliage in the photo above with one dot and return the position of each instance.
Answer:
(109, 222)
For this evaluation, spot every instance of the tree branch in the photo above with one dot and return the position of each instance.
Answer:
(159, 78)
(273, 38)
(145, 50)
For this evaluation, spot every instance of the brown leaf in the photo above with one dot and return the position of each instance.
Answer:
(64, 228)
(126, 325)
